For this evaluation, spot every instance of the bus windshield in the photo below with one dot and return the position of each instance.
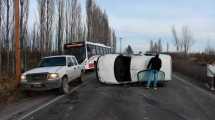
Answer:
(78, 52)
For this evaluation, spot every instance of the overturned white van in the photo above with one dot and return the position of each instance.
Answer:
(120, 69)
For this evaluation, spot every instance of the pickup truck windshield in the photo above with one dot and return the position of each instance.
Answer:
(51, 62)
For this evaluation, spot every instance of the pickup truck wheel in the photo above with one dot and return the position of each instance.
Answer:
(65, 88)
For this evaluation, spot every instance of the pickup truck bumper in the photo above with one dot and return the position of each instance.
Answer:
(41, 86)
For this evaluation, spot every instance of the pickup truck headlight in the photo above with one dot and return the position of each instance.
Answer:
(52, 76)
(23, 77)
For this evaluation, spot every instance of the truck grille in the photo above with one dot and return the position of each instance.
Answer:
(36, 77)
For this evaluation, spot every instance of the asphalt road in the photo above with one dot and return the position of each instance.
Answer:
(15, 110)
(179, 100)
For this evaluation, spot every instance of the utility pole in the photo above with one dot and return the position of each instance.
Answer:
(17, 36)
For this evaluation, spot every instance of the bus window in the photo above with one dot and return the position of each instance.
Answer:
(105, 50)
(96, 50)
(100, 50)
(91, 50)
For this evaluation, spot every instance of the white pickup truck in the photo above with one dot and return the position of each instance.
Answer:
(53, 72)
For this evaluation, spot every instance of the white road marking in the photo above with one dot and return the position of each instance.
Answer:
(49, 103)
(198, 88)
(41, 107)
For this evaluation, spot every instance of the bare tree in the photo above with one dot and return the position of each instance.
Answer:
(23, 21)
(46, 10)
(34, 39)
(187, 39)
(1, 33)
(74, 27)
(8, 39)
(1, 22)
(89, 8)
(156, 47)
(60, 25)
(24, 11)
(50, 7)
(114, 41)
(176, 39)
(167, 46)
(98, 24)
(8, 2)
(208, 49)
(151, 46)
(80, 24)
(41, 9)
(160, 47)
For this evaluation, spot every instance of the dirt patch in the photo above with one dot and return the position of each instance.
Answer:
(9, 91)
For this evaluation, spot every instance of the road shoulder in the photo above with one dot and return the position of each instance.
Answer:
(193, 82)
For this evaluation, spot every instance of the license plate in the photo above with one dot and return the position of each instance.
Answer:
(37, 85)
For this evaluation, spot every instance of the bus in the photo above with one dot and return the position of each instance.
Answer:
(86, 52)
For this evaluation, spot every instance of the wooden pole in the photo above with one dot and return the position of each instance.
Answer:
(17, 36)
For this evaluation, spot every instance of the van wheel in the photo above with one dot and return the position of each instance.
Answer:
(65, 88)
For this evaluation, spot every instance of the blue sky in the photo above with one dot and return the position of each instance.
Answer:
(139, 21)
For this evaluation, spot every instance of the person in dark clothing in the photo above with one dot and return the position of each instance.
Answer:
(154, 67)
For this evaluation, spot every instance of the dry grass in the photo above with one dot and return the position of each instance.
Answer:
(202, 58)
